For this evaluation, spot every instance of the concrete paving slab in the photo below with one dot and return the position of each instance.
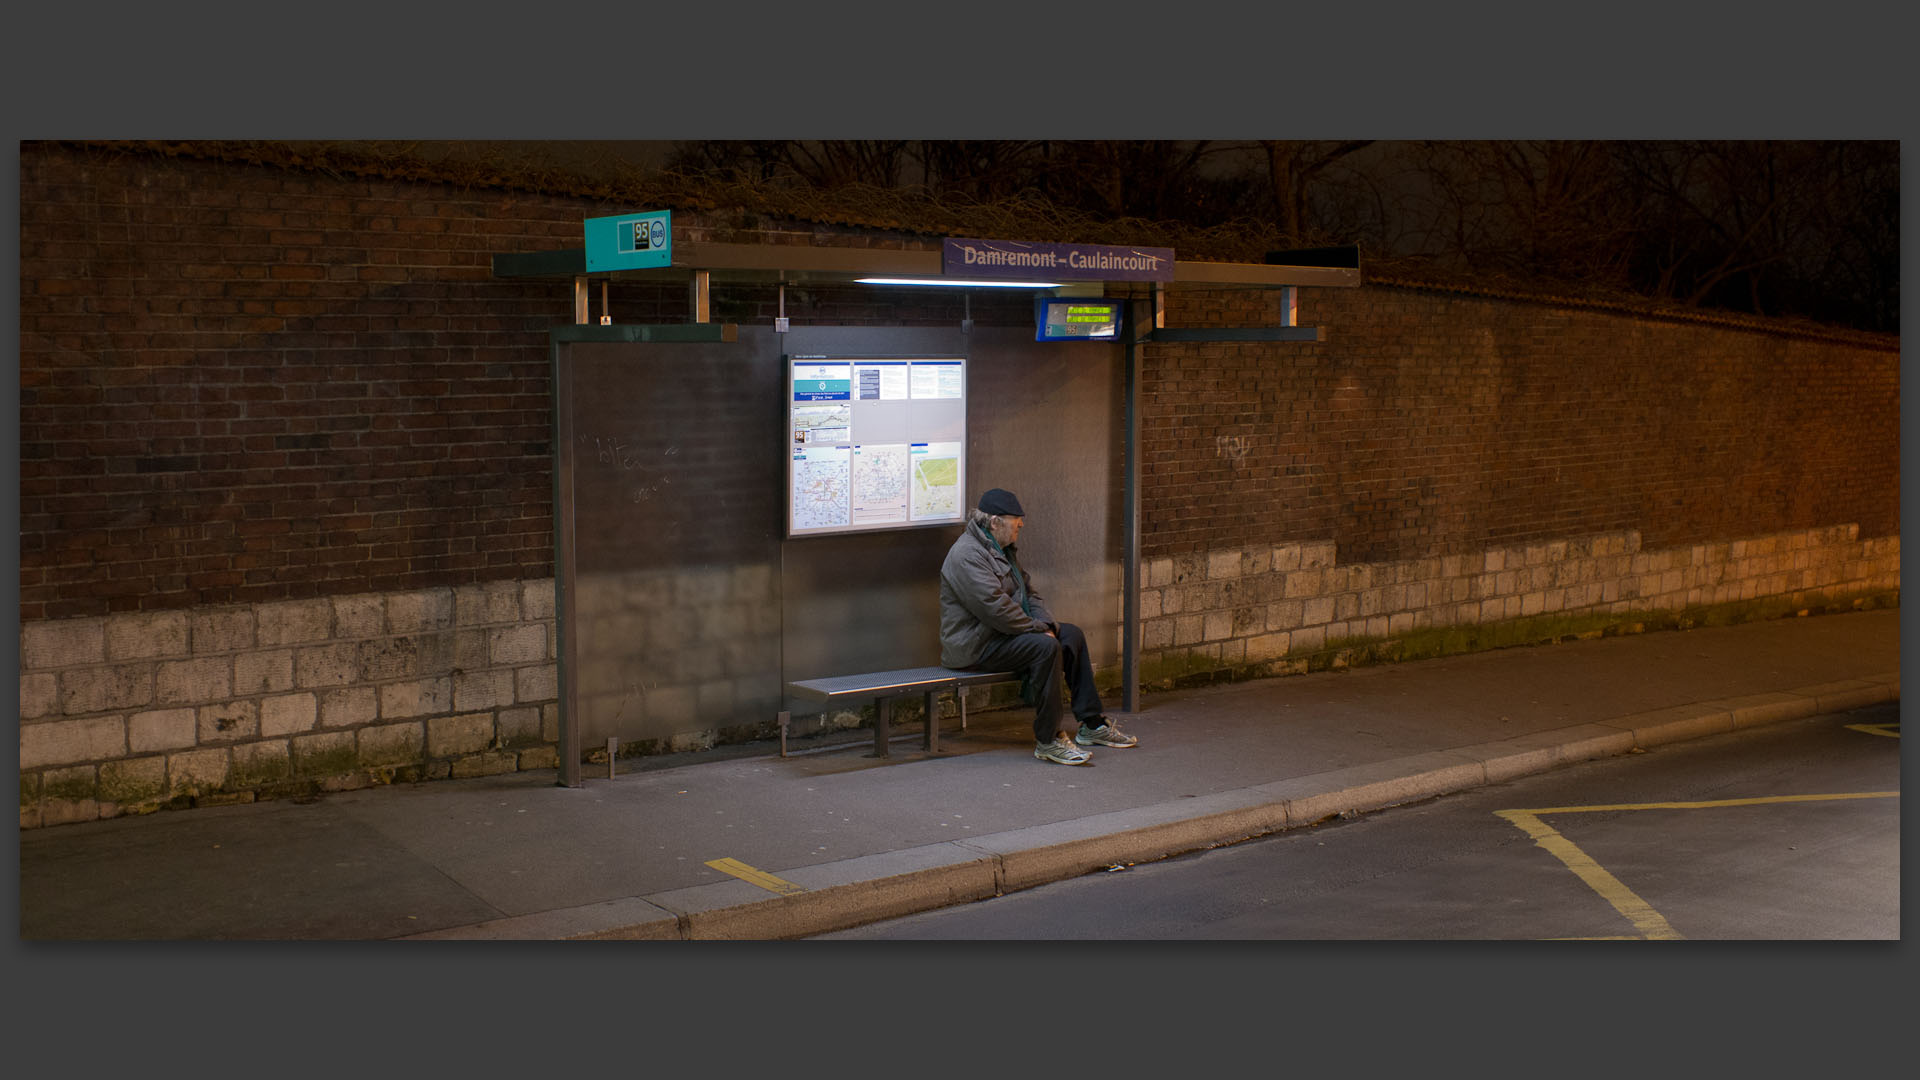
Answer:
(279, 871)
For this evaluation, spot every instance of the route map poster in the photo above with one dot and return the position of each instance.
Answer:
(875, 443)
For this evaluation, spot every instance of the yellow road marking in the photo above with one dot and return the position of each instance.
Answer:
(1891, 731)
(756, 877)
(1708, 805)
(1637, 911)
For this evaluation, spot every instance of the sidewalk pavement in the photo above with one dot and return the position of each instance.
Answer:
(834, 837)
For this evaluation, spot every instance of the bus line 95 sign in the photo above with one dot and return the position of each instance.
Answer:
(629, 241)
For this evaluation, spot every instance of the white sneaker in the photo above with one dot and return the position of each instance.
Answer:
(1061, 752)
(1105, 733)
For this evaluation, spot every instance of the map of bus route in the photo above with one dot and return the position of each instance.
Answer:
(879, 484)
(936, 487)
(821, 495)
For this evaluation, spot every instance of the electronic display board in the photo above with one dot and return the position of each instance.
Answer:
(875, 442)
(1076, 318)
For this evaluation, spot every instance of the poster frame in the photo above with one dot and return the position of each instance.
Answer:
(795, 432)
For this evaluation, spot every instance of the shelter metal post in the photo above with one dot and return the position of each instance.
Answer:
(566, 646)
(580, 300)
(1130, 515)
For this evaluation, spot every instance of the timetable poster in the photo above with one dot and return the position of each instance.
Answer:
(875, 443)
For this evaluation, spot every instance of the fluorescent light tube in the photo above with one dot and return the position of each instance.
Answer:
(957, 282)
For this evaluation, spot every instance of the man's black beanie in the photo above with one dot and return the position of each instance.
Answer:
(1001, 501)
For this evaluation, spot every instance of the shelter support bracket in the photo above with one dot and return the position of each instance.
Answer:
(698, 288)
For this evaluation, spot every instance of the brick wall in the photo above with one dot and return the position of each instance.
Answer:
(242, 385)
(1430, 424)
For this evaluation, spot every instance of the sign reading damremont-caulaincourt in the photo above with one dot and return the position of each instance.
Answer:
(1078, 262)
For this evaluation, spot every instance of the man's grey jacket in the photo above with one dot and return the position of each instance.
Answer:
(981, 588)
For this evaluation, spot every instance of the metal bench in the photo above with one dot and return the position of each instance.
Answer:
(884, 687)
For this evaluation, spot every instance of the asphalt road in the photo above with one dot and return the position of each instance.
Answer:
(1788, 832)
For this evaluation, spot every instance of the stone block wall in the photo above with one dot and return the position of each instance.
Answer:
(1288, 608)
(137, 711)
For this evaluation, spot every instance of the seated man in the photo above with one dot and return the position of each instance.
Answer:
(992, 619)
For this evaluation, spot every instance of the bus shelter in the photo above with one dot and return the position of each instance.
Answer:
(742, 504)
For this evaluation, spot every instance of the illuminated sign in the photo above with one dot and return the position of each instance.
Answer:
(1076, 318)
(875, 443)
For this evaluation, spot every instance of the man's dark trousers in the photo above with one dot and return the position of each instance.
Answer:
(1043, 662)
